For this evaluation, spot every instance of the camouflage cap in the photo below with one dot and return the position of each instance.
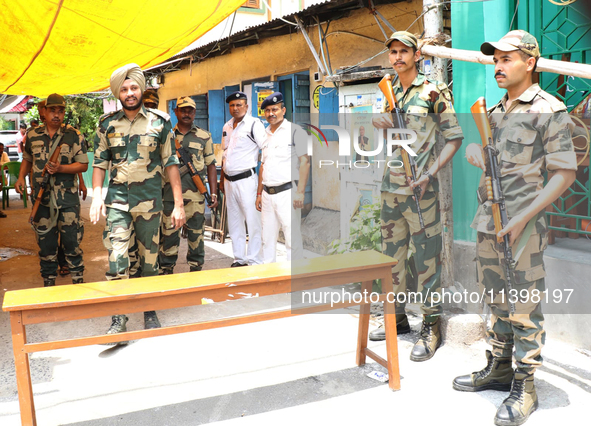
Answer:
(405, 37)
(55, 100)
(185, 101)
(150, 95)
(513, 40)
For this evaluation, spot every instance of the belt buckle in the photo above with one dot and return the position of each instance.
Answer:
(272, 190)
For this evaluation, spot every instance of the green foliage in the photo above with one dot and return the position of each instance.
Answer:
(32, 113)
(84, 114)
(364, 234)
(6, 125)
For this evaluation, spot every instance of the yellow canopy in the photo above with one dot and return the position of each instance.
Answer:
(73, 46)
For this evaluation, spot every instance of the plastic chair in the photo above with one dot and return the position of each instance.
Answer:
(12, 169)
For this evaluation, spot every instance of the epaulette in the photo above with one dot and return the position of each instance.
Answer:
(159, 113)
(556, 105)
(107, 115)
(69, 127)
(202, 133)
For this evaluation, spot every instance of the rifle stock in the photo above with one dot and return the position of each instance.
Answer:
(494, 191)
(410, 166)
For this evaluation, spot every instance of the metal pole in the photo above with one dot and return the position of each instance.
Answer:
(436, 68)
(310, 45)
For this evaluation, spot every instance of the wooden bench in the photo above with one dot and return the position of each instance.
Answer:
(91, 300)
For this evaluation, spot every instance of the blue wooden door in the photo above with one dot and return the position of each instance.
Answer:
(215, 109)
(171, 107)
(201, 113)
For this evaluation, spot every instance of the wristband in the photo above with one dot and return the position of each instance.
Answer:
(429, 175)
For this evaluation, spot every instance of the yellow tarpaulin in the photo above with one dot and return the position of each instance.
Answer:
(73, 46)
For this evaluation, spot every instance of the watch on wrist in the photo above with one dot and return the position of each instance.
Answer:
(429, 175)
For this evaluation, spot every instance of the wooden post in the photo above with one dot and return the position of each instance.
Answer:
(364, 311)
(23, 372)
(438, 71)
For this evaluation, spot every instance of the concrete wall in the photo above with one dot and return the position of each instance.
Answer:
(569, 322)
(288, 54)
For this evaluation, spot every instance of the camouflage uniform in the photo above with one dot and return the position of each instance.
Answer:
(529, 145)
(139, 152)
(429, 111)
(197, 143)
(62, 195)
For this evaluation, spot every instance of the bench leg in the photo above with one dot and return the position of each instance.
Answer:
(23, 372)
(391, 333)
(364, 311)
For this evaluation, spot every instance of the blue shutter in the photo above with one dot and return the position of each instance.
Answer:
(328, 106)
(171, 107)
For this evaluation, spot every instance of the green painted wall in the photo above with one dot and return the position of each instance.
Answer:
(472, 25)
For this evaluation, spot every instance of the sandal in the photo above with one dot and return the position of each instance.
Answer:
(63, 271)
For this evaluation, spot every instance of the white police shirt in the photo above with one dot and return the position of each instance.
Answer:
(241, 153)
(281, 154)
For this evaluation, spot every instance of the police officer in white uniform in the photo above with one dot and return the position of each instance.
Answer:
(282, 181)
(243, 136)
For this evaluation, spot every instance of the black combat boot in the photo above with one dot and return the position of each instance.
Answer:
(165, 271)
(151, 320)
(195, 268)
(77, 278)
(402, 327)
(118, 326)
(497, 375)
(522, 401)
(429, 341)
(48, 281)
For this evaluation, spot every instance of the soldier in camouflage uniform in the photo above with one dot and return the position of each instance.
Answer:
(138, 144)
(197, 143)
(430, 113)
(58, 217)
(151, 98)
(532, 132)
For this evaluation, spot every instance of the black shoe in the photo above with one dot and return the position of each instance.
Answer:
(237, 265)
(165, 271)
(2, 214)
(48, 281)
(497, 375)
(195, 268)
(151, 320)
(117, 326)
(429, 341)
(402, 327)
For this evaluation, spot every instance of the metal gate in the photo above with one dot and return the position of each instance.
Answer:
(564, 33)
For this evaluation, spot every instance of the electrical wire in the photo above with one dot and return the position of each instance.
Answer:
(354, 34)
(434, 6)
(514, 14)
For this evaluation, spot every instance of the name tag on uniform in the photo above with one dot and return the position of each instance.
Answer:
(115, 135)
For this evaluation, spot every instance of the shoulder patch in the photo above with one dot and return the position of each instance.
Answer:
(159, 113)
(555, 104)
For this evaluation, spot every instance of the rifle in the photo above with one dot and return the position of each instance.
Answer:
(410, 166)
(185, 159)
(493, 188)
(44, 182)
